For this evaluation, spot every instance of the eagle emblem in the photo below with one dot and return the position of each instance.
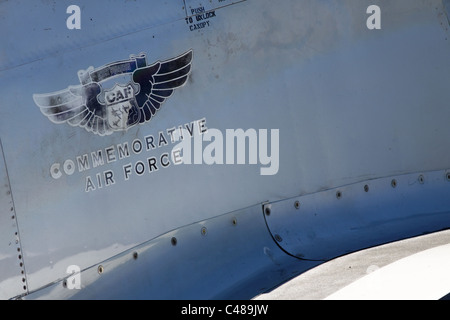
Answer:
(104, 111)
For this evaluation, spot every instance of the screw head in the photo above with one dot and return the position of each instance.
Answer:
(100, 269)
(393, 183)
(421, 179)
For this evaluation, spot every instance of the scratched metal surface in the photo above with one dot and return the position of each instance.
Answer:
(12, 281)
(350, 104)
(230, 256)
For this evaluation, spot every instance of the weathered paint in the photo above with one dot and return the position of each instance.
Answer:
(350, 105)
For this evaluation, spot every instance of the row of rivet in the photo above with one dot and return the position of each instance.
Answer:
(203, 232)
(394, 184)
(173, 241)
(19, 250)
(267, 211)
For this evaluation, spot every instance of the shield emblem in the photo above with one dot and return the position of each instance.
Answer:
(121, 107)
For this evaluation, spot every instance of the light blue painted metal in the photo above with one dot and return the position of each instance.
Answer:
(351, 105)
(230, 256)
(13, 278)
(331, 223)
(44, 34)
(447, 9)
(198, 7)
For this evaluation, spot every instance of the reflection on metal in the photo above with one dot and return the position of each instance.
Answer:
(421, 276)
(328, 227)
(361, 118)
(234, 260)
(330, 277)
(12, 278)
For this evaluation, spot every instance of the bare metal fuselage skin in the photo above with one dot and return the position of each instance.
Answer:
(122, 173)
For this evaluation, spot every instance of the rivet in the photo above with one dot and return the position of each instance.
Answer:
(100, 269)
(338, 194)
(234, 221)
(297, 204)
(173, 241)
(393, 183)
(421, 179)
(366, 188)
(135, 255)
(278, 238)
(204, 231)
(64, 284)
(448, 176)
(267, 211)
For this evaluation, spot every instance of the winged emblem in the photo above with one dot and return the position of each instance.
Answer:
(104, 111)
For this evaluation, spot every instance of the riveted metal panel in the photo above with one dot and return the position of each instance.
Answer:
(350, 104)
(235, 252)
(330, 223)
(12, 274)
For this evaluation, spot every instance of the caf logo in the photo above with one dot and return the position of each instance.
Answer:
(103, 111)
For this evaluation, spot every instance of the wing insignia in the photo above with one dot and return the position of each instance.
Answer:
(104, 111)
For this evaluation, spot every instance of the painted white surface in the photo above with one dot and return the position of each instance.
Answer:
(422, 276)
(344, 273)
